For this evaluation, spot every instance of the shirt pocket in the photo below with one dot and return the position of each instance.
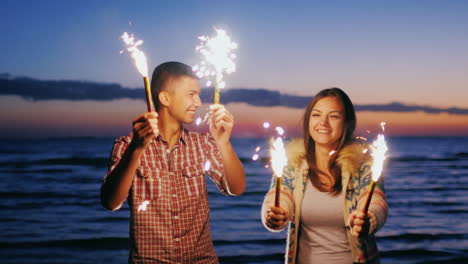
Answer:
(194, 177)
(148, 182)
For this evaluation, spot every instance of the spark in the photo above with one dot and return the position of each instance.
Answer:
(279, 130)
(332, 152)
(207, 165)
(379, 148)
(257, 148)
(199, 120)
(137, 55)
(266, 125)
(365, 151)
(278, 157)
(218, 56)
(143, 206)
(255, 156)
(382, 125)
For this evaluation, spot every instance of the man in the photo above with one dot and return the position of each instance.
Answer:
(160, 167)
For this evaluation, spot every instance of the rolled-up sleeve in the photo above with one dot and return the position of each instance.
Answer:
(118, 149)
(215, 167)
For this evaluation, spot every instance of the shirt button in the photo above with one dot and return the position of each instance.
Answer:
(168, 151)
(177, 239)
(176, 217)
(174, 195)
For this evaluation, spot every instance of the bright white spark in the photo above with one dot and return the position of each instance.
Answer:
(382, 124)
(199, 120)
(278, 157)
(218, 56)
(137, 55)
(207, 166)
(257, 149)
(379, 148)
(280, 130)
(255, 156)
(266, 125)
(332, 152)
(143, 206)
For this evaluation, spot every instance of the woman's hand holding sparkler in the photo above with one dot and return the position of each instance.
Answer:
(221, 123)
(145, 128)
(277, 218)
(360, 223)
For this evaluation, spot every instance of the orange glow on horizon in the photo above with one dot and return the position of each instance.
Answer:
(114, 118)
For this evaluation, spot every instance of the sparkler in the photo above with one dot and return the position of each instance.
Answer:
(217, 60)
(379, 148)
(140, 63)
(278, 162)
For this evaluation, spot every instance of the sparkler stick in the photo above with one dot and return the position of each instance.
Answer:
(141, 64)
(379, 147)
(217, 59)
(278, 162)
(278, 191)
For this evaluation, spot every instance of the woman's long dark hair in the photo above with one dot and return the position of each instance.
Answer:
(346, 137)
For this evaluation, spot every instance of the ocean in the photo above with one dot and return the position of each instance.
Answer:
(51, 212)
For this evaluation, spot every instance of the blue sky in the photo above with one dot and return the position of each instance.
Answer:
(378, 51)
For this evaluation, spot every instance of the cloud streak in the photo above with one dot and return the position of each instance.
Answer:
(38, 90)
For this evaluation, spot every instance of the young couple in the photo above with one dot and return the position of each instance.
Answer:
(160, 170)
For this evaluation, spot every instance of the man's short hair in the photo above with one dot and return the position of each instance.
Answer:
(165, 71)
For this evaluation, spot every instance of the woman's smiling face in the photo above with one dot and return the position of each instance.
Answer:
(327, 122)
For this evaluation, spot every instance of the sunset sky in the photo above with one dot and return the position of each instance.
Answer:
(412, 52)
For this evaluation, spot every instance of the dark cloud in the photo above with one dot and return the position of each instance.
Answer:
(36, 90)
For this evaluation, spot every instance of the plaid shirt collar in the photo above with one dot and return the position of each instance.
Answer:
(182, 138)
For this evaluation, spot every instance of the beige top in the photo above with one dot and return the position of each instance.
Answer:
(322, 233)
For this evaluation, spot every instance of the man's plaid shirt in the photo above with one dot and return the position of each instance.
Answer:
(168, 200)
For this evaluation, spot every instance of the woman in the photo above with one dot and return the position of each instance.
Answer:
(325, 187)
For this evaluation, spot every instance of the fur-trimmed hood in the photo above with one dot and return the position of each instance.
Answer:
(350, 158)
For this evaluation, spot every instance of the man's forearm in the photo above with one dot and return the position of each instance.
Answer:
(115, 188)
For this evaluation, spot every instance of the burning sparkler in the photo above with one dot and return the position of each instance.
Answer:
(217, 60)
(379, 148)
(140, 63)
(278, 162)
